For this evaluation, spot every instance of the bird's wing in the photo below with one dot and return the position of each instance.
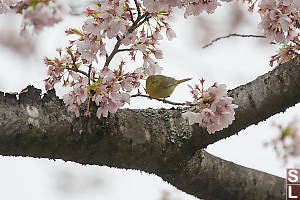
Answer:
(168, 83)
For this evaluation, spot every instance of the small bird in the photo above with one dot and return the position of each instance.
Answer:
(160, 86)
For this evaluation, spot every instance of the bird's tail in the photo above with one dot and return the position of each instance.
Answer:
(183, 80)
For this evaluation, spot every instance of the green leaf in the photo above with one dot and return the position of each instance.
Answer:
(287, 131)
(69, 51)
(33, 3)
(121, 67)
(78, 65)
(76, 31)
(98, 3)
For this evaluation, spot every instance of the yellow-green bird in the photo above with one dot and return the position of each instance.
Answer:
(160, 86)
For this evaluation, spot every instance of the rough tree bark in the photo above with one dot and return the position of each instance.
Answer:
(153, 140)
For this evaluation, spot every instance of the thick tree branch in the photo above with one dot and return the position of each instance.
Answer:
(258, 100)
(210, 177)
(156, 141)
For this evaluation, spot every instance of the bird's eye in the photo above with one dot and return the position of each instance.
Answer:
(154, 82)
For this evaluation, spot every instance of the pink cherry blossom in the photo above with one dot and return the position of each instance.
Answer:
(43, 15)
(157, 35)
(5, 5)
(151, 66)
(214, 109)
(88, 49)
(130, 39)
(127, 84)
(287, 144)
(285, 53)
(279, 20)
(196, 7)
(158, 54)
(170, 34)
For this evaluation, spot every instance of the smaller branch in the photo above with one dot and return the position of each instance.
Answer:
(145, 19)
(77, 70)
(162, 100)
(138, 22)
(137, 8)
(297, 43)
(131, 15)
(90, 69)
(114, 52)
(232, 35)
(120, 50)
(135, 25)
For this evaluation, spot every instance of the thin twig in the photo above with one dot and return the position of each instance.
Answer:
(162, 100)
(145, 19)
(120, 50)
(135, 25)
(137, 8)
(297, 43)
(232, 35)
(131, 15)
(89, 73)
(77, 70)
(114, 52)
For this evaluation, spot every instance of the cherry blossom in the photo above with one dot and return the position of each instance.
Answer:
(43, 14)
(279, 19)
(285, 53)
(6, 4)
(214, 109)
(196, 7)
(170, 34)
(89, 48)
(160, 5)
(287, 144)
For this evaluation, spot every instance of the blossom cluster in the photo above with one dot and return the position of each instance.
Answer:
(280, 20)
(213, 110)
(192, 7)
(108, 86)
(6, 4)
(287, 52)
(135, 31)
(136, 28)
(109, 89)
(287, 144)
(36, 13)
(110, 92)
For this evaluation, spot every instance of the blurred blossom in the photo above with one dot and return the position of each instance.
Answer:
(10, 37)
(287, 144)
